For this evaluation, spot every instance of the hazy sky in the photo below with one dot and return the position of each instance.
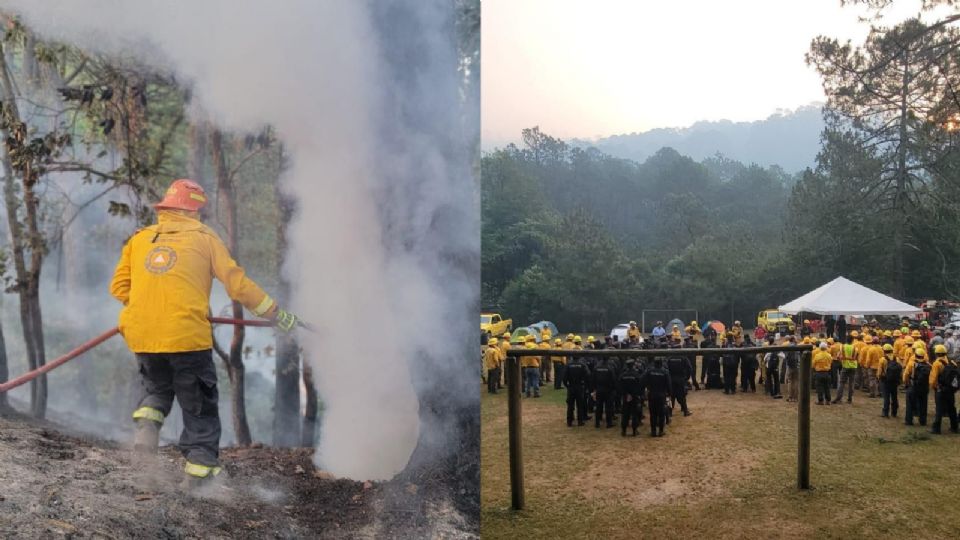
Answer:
(586, 68)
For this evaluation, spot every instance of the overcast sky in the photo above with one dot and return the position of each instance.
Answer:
(587, 68)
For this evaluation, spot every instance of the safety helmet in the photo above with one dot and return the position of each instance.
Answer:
(807, 340)
(867, 339)
(492, 341)
(915, 333)
(577, 339)
(904, 330)
(908, 340)
(506, 334)
(183, 194)
(919, 352)
(569, 336)
(823, 345)
(806, 321)
(896, 333)
(633, 323)
(529, 338)
(940, 349)
(557, 341)
(676, 326)
(736, 323)
(924, 323)
(887, 333)
(591, 339)
(693, 323)
(887, 347)
(830, 340)
(854, 333)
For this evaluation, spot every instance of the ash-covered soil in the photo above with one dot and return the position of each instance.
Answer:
(55, 485)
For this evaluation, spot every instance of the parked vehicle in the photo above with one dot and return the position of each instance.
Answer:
(494, 325)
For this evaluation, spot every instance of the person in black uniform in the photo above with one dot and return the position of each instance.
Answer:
(576, 379)
(710, 370)
(632, 393)
(656, 380)
(748, 368)
(604, 384)
(841, 329)
(729, 362)
(680, 371)
(772, 361)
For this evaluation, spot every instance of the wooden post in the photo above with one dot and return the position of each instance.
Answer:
(514, 376)
(803, 424)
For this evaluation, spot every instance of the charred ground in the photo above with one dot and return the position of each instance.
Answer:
(54, 484)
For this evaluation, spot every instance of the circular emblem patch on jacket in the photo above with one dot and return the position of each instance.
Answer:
(161, 259)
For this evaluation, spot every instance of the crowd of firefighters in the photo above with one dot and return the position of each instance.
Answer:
(880, 362)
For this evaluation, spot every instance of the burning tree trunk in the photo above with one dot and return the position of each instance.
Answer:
(308, 433)
(227, 213)
(286, 408)
(18, 159)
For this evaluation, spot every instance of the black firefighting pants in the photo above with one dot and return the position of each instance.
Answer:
(631, 413)
(679, 388)
(576, 397)
(192, 378)
(658, 412)
(945, 405)
(604, 404)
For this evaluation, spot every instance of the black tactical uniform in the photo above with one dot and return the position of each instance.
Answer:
(576, 379)
(679, 368)
(604, 385)
(631, 393)
(657, 382)
(729, 361)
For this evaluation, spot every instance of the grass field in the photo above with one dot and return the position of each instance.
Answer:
(727, 471)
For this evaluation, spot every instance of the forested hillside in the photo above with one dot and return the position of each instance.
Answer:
(789, 139)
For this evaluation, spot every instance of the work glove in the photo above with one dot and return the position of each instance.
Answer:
(285, 321)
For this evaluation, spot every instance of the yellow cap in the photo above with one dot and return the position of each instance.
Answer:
(940, 349)
(577, 339)
(920, 352)
(557, 341)
(908, 340)
(806, 340)
(591, 338)
(492, 341)
(887, 333)
(915, 333)
(867, 339)
(506, 334)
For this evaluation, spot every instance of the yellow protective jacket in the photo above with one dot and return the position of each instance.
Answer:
(822, 360)
(530, 361)
(633, 332)
(871, 356)
(938, 366)
(908, 371)
(898, 346)
(858, 346)
(163, 279)
(882, 366)
(491, 358)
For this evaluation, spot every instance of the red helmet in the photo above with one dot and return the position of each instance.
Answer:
(183, 194)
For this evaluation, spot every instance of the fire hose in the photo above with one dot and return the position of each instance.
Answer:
(49, 366)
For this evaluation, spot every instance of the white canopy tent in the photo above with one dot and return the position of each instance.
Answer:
(844, 297)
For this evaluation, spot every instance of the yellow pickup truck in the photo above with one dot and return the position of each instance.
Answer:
(772, 320)
(493, 325)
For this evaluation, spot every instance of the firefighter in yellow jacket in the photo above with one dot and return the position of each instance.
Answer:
(163, 279)
(491, 362)
(531, 368)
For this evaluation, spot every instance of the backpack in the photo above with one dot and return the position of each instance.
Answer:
(949, 378)
(921, 375)
(894, 372)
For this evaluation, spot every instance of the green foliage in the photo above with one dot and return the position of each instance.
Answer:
(587, 240)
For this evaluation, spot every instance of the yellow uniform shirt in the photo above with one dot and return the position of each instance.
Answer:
(938, 366)
(163, 279)
(491, 358)
(872, 355)
(822, 360)
(530, 361)
(908, 371)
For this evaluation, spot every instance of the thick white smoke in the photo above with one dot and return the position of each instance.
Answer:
(313, 70)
